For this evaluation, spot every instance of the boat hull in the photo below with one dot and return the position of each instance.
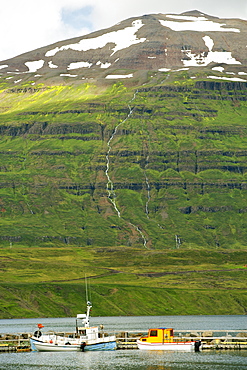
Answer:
(51, 347)
(171, 346)
(38, 345)
(105, 346)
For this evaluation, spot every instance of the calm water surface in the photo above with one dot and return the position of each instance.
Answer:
(127, 359)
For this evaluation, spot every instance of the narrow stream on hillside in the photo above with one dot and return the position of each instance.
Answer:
(110, 185)
(148, 188)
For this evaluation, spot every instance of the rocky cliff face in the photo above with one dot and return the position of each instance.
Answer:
(132, 135)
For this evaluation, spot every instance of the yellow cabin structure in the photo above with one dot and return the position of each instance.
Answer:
(160, 335)
(163, 339)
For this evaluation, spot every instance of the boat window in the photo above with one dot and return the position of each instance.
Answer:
(153, 333)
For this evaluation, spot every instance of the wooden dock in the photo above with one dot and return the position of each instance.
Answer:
(212, 344)
(15, 342)
(13, 347)
(210, 340)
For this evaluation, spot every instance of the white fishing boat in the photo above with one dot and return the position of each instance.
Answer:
(54, 347)
(85, 338)
(163, 339)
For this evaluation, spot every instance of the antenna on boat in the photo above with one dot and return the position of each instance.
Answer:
(89, 305)
(88, 291)
(84, 317)
(86, 288)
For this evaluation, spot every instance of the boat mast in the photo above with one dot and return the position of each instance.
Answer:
(86, 288)
(89, 305)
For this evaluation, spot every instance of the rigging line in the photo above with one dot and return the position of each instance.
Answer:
(86, 288)
(89, 291)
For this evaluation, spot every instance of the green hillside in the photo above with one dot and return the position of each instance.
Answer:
(124, 183)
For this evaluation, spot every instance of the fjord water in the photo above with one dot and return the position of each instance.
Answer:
(128, 359)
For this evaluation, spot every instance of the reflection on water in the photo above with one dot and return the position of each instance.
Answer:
(128, 359)
(125, 360)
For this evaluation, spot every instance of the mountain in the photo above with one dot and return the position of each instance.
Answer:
(155, 42)
(123, 157)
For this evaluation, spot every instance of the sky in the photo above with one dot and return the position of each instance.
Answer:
(30, 24)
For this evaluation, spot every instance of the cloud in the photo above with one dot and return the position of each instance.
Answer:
(26, 25)
(29, 24)
(123, 9)
(75, 18)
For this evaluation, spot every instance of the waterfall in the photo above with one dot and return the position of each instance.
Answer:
(110, 185)
(148, 189)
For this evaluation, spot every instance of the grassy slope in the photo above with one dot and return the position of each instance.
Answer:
(56, 182)
(123, 281)
(56, 215)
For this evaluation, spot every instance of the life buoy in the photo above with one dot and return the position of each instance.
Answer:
(37, 333)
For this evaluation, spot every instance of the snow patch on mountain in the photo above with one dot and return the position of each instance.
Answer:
(79, 65)
(34, 65)
(67, 75)
(200, 24)
(14, 72)
(218, 69)
(235, 79)
(51, 65)
(208, 42)
(121, 38)
(119, 76)
(103, 65)
(181, 69)
(203, 59)
(4, 66)
(186, 17)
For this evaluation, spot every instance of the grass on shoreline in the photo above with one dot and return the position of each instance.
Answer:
(123, 281)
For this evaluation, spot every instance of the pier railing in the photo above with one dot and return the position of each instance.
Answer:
(14, 342)
(210, 339)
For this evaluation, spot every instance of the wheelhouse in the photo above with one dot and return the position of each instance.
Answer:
(160, 335)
